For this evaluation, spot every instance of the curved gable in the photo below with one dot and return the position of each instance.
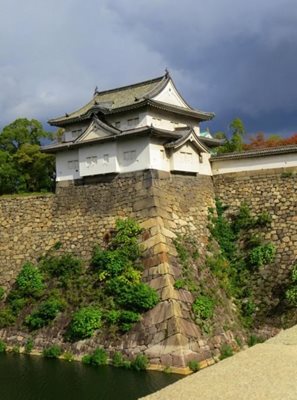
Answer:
(169, 94)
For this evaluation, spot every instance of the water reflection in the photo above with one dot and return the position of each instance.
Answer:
(34, 378)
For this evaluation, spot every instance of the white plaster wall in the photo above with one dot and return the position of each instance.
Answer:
(255, 163)
(98, 159)
(185, 159)
(205, 166)
(165, 121)
(70, 134)
(159, 157)
(170, 95)
(133, 154)
(124, 117)
(67, 165)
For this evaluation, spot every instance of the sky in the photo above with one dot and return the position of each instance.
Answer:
(237, 58)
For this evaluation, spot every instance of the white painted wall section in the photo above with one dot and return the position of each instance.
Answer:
(170, 95)
(185, 159)
(133, 154)
(254, 164)
(159, 157)
(98, 159)
(205, 166)
(67, 165)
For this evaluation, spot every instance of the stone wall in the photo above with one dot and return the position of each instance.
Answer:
(79, 216)
(274, 191)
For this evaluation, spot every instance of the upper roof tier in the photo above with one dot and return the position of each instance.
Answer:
(131, 97)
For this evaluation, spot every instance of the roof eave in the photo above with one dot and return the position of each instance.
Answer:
(266, 152)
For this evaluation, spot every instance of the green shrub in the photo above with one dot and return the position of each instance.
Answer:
(84, 323)
(29, 345)
(2, 347)
(17, 301)
(7, 317)
(46, 312)
(291, 295)
(140, 363)
(123, 319)
(136, 297)
(203, 307)
(2, 293)
(65, 265)
(226, 351)
(294, 273)
(262, 255)
(16, 349)
(253, 340)
(127, 319)
(52, 351)
(118, 360)
(126, 238)
(180, 284)
(114, 262)
(264, 219)
(30, 281)
(68, 356)
(194, 365)
(243, 220)
(98, 357)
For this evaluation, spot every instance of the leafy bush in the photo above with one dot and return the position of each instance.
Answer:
(226, 351)
(294, 273)
(30, 281)
(194, 365)
(68, 356)
(203, 307)
(2, 293)
(29, 345)
(135, 297)
(98, 357)
(118, 360)
(52, 352)
(140, 363)
(65, 265)
(291, 295)
(113, 262)
(2, 347)
(253, 340)
(243, 220)
(262, 255)
(84, 322)
(46, 312)
(7, 317)
(122, 318)
(264, 219)
(126, 238)
(16, 349)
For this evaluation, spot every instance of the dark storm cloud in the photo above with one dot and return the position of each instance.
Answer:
(235, 58)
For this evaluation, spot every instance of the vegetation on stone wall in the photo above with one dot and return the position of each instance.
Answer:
(236, 252)
(108, 295)
(291, 292)
(241, 253)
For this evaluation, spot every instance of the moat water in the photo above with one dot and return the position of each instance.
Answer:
(35, 378)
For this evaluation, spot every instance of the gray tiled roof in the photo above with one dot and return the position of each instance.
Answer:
(269, 151)
(127, 98)
(118, 97)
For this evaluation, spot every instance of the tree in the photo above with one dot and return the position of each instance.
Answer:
(235, 143)
(22, 131)
(23, 167)
(259, 141)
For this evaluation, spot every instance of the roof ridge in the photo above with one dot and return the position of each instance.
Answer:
(126, 87)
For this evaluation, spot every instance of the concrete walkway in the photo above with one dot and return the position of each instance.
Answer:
(266, 371)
